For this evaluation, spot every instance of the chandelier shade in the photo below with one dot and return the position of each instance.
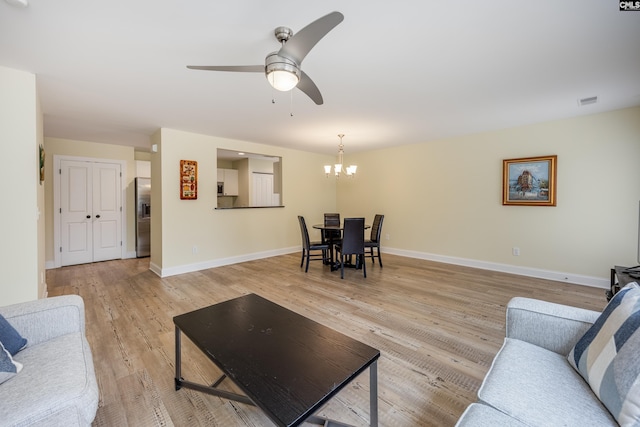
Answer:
(338, 168)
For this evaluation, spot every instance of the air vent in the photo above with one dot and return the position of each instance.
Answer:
(18, 3)
(586, 101)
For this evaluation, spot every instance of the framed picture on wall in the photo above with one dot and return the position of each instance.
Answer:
(529, 181)
(188, 179)
(42, 155)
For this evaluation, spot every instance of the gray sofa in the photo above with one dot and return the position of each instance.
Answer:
(530, 382)
(57, 385)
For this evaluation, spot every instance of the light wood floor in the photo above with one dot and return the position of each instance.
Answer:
(437, 327)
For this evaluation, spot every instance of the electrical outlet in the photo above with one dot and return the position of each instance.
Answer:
(388, 236)
(515, 251)
(194, 250)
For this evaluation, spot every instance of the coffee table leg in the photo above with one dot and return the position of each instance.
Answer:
(180, 382)
(178, 378)
(373, 394)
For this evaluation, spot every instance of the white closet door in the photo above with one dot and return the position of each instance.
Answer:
(106, 212)
(90, 213)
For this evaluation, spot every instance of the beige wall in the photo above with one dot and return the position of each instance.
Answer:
(442, 200)
(86, 149)
(22, 267)
(42, 208)
(156, 200)
(244, 170)
(223, 236)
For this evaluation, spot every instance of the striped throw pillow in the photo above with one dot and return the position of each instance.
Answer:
(8, 367)
(608, 356)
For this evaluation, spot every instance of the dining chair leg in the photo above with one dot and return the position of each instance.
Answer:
(331, 250)
(379, 258)
(302, 260)
(364, 267)
(341, 266)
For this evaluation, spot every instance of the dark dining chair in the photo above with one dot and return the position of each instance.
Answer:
(373, 243)
(308, 247)
(332, 219)
(352, 243)
(332, 237)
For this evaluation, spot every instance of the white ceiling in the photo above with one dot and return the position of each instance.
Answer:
(391, 73)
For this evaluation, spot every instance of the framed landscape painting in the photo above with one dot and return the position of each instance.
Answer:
(529, 181)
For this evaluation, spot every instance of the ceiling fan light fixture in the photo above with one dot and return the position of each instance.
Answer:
(282, 73)
(282, 68)
(282, 80)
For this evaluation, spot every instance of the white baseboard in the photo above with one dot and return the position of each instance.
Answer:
(189, 268)
(596, 282)
(51, 264)
(155, 269)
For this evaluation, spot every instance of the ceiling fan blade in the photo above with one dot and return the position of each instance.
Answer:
(299, 45)
(241, 68)
(307, 86)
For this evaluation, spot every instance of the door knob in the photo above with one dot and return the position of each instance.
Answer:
(88, 216)
(97, 216)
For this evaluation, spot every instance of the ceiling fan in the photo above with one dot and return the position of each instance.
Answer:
(282, 68)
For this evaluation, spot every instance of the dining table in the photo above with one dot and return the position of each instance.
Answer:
(335, 265)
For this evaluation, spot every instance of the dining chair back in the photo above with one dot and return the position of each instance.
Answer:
(333, 235)
(308, 246)
(374, 241)
(352, 243)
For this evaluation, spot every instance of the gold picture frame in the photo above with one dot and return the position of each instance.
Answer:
(529, 181)
(188, 179)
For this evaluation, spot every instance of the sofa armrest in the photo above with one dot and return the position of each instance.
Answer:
(555, 327)
(41, 320)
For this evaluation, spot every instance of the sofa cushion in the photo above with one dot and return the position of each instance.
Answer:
(58, 377)
(607, 355)
(539, 387)
(10, 338)
(8, 367)
(479, 415)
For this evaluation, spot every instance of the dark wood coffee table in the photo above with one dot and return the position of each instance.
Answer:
(285, 364)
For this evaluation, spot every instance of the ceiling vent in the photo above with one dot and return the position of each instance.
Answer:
(586, 101)
(18, 3)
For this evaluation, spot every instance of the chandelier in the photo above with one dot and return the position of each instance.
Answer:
(339, 167)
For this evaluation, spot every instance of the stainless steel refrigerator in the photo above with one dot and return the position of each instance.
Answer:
(143, 217)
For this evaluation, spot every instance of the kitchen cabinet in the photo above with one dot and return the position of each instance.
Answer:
(230, 179)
